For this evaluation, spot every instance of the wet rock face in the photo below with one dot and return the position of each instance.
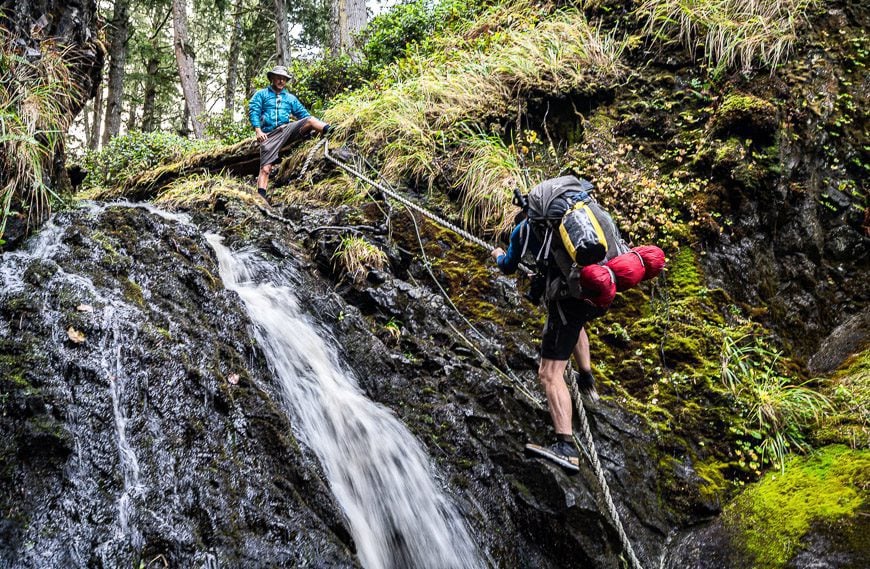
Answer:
(137, 416)
(524, 512)
(793, 176)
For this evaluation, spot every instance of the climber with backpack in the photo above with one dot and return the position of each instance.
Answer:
(569, 239)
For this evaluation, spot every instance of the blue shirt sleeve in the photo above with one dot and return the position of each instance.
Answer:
(297, 109)
(255, 109)
(509, 262)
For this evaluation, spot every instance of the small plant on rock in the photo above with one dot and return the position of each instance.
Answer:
(776, 411)
(358, 257)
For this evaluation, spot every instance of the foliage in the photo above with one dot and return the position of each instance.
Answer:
(774, 515)
(734, 33)
(436, 99)
(358, 257)
(36, 95)
(317, 81)
(491, 171)
(128, 155)
(387, 37)
(776, 411)
(224, 129)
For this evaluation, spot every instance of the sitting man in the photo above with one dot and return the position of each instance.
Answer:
(270, 112)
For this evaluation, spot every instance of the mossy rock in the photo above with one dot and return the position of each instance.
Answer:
(741, 114)
(820, 498)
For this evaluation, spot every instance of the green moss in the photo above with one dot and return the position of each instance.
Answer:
(745, 114)
(684, 273)
(133, 293)
(849, 391)
(715, 485)
(773, 516)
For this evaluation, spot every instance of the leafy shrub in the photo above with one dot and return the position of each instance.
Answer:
(128, 155)
(224, 129)
(319, 80)
(383, 41)
(387, 35)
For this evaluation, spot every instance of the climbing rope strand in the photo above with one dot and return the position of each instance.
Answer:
(592, 455)
(509, 375)
(406, 202)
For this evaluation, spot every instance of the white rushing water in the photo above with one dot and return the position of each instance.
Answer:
(376, 469)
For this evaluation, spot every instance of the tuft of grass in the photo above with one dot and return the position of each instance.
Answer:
(490, 172)
(777, 411)
(358, 257)
(203, 189)
(733, 33)
(436, 99)
(35, 97)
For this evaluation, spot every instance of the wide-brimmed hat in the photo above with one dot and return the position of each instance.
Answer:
(278, 70)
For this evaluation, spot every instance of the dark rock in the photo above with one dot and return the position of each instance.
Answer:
(850, 337)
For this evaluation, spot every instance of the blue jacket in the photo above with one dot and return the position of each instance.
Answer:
(517, 247)
(268, 110)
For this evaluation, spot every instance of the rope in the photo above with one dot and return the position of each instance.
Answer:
(404, 201)
(589, 448)
(592, 455)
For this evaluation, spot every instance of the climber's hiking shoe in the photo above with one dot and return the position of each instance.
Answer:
(262, 193)
(327, 130)
(562, 453)
(586, 385)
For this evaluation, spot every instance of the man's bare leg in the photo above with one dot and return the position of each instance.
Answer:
(581, 352)
(551, 373)
(263, 178)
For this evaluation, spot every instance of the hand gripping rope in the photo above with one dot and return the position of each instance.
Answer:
(585, 431)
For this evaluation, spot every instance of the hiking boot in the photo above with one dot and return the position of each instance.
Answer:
(327, 130)
(586, 385)
(562, 453)
(262, 193)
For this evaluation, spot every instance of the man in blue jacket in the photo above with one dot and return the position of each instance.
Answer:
(278, 118)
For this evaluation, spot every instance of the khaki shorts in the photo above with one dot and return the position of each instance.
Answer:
(278, 138)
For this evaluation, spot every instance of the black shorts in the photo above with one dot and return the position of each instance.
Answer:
(560, 336)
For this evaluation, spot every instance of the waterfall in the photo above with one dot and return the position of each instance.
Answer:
(376, 469)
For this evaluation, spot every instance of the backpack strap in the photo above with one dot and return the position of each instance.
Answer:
(528, 231)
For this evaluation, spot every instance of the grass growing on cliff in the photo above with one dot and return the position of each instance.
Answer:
(358, 257)
(777, 411)
(733, 33)
(203, 189)
(35, 95)
(420, 124)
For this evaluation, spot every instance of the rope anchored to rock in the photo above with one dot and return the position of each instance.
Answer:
(585, 431)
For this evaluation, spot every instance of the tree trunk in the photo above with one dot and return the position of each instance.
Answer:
(86, 120)
(185, 57)
(282, 35)
(152, 66)
(118, 59)
(233, 57)
(348, 18)
(150, 96)
(94, 138)
(131, 118)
